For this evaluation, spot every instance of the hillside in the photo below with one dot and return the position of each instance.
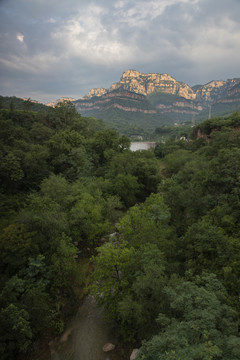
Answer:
(15, 103)
(169, 269)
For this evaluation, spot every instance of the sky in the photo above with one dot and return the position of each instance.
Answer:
(55, 48)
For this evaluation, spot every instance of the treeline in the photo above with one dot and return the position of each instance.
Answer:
(15, 103)
(65, 181)
(169, 278)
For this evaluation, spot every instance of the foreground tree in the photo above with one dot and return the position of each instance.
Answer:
(197, 326)
(15, 332)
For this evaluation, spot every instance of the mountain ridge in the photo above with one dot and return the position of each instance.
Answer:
(145, 84)
(160, 95)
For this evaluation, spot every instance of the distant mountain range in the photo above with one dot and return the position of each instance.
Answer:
(149, 100)
(140, 103)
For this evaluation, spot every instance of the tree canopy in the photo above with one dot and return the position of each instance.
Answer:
(154, 236)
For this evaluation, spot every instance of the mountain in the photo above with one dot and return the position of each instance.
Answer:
(8, 102)
(61, 100)
(146, 84)
(148, 100)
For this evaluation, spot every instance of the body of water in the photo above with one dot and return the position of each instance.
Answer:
(142, 145)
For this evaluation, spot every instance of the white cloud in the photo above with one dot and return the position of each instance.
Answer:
(51, 21)
(120, 4)
(37, 64)
(86, 36)
(143, 12)
(213, 43)
(20, 37)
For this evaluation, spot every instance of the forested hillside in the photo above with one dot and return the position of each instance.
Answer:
(176, 256)
(169, 276)
(65, 180)
(15, 103)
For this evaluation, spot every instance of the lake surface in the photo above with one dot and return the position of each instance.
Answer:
(141, 145)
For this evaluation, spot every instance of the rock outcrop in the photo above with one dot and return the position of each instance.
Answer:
(108, 347)
(95, 92)
(134, 354)
(146, 84)
(215, 90)
(62, 99)
(155, 99)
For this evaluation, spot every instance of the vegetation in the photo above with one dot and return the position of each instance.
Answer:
(15, 103)
(65, 180)
(131, 123)
(168, 275)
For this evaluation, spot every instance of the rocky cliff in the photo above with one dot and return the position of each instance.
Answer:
(160, 98)
(95, 92)
(61, 100)
(215, 90)
(146, 84)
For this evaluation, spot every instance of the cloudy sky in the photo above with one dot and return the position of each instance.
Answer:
(54, 48)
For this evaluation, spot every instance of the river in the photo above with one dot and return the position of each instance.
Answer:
(86, 335)
(141, 145)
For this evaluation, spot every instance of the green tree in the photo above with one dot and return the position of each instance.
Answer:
(110, 276)
(127, 188)
(27, 104)
(66, 276)
(205, 247)
(16, 246)
(11, 171)
(147, 222)
(199, 325)
(138, 308)
(68, 154)
(15, 332)
(29, 289)
(42, 317)
(175, 161)
(146, 170)
(62, 115)
(87, 220)
(103, 146)
(58, 189)
(47, 219)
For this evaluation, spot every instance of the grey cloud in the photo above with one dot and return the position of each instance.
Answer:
(70, 47)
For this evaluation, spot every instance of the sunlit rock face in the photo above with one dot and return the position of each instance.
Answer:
(61, 100)
(95, 92)
(146, 84)
(153, 99)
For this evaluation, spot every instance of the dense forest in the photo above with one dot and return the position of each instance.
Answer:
(154, 236)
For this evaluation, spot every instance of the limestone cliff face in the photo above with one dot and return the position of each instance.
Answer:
(215, 90)
(208, 92)
(62, 99)
(95, 92)
(123, 100)
(160, 97)
(235, 90)
(146, 84)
